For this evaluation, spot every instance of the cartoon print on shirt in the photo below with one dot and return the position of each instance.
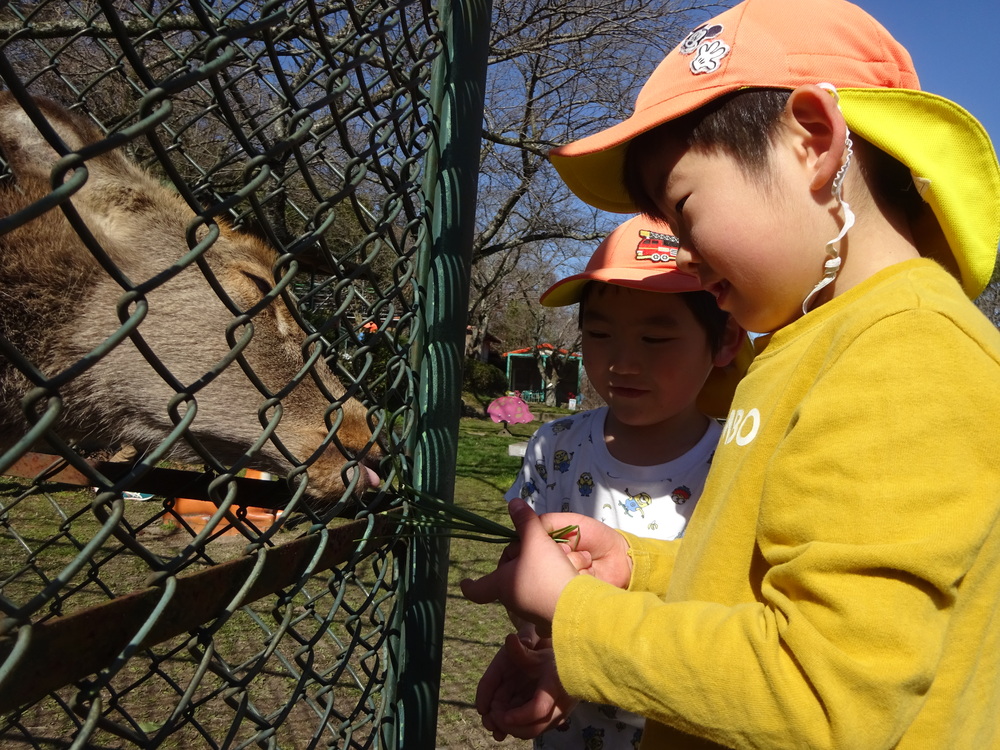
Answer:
(593, 738)
(635, 503)
(636, 738)
(561, 426)
(528, 489)
(561, 460)
(681, 494)
(586, 484)
(542, 471)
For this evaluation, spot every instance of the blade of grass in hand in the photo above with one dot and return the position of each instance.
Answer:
(454, 519)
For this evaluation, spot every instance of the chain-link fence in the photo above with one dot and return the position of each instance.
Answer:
(233, 267)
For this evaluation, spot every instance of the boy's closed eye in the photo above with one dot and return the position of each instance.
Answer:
(646, 339)
(676, 218)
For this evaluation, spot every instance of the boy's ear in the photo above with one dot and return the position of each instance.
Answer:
(731, 363)
(819, 130)
(733, 340)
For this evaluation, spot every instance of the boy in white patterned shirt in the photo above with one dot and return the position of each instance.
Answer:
(658, 350)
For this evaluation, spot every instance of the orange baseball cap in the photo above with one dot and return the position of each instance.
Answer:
(641, 254)
(789, 43)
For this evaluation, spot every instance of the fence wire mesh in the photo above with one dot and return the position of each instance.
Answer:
(211, 217)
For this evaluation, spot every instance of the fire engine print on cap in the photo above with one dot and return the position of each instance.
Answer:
(657, 247)
(708, 51)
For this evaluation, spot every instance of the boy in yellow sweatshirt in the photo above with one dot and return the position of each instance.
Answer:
(838, 585)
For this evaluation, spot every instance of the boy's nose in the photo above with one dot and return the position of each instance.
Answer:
(687, 261)
(625, 360)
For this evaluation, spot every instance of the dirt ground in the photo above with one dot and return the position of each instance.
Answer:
(472, 635)
(464, 660)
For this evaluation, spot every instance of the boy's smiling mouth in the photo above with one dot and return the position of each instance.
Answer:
(626, 392)
(717, 289)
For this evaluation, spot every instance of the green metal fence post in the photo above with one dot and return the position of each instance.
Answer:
(458, 94)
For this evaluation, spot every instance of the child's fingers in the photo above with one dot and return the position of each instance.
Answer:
(496, 678)
(529, 584)
(510, 552)
(522, 720)
(524, 518)
(483, 590)
(509, 683)
(490, 726)
(520, 654)
(490, 587)
(581, 559)
(541, 706)
(545, 709)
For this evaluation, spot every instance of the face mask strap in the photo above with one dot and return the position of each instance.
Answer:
(832, 265)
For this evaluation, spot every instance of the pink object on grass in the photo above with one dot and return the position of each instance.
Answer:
(510, 410)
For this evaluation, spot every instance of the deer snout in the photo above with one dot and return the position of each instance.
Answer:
(369, 466)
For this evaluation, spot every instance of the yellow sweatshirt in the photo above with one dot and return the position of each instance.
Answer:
(839, 583)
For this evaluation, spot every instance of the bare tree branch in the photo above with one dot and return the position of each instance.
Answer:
(559, 70)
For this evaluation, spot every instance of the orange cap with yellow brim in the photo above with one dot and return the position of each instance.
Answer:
(789, 43)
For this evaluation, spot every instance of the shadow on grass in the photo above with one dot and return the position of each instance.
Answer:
(473, 633)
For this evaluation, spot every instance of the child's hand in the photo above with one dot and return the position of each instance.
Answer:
(531, 574)
(520, 693)
(597, 549)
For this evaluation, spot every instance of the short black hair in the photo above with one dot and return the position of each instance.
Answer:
(744, 124)
(701, 304)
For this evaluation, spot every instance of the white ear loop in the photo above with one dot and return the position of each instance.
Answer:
(832, 264)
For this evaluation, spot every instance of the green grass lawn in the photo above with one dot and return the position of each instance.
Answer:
(473, 633)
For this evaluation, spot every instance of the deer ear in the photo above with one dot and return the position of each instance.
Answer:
(24, 148)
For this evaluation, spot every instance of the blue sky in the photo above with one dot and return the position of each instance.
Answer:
(953, 47)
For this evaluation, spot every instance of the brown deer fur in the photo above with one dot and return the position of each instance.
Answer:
(57, 304)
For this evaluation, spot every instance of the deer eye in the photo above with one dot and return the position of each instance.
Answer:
(263, 286)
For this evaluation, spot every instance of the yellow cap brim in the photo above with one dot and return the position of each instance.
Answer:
(596, 178)
(569, 290)
(954, 166)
